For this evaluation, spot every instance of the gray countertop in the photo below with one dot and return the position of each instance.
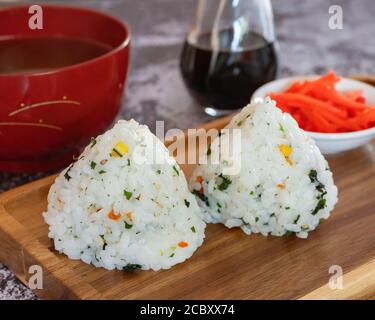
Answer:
(155, 90)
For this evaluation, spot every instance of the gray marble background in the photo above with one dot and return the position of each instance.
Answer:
(155, 90)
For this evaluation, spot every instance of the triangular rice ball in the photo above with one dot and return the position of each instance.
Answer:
(115, 207)
(283, 186)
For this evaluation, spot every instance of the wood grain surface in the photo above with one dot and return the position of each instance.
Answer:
(229, 265)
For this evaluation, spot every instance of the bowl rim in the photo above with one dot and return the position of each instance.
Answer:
(342, 135)
(325, 135)
(125, 43)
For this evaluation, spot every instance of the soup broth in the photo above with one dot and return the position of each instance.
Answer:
(36, 55)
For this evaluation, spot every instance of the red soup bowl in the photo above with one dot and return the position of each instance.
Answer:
(47, 116)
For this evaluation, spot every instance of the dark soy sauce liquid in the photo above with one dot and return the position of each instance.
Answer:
(34, 55)
(228, 81)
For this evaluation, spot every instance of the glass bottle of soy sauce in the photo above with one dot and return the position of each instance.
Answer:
(229, 52)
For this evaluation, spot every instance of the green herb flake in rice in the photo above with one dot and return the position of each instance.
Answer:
(93, 142)
(201, 196)
(132, 267)
(128, 194)
(128, 226)
(66, 175)
(104, 241)
(225, 182)
(209, 151)
(187, 203)
(176, 170)
(288, 233)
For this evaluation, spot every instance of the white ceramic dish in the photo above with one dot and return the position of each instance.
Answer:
(330, 143)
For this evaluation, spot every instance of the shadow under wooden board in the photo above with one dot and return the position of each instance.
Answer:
(229, 264)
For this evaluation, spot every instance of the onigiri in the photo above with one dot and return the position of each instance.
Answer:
(283, 186)
(120, 207)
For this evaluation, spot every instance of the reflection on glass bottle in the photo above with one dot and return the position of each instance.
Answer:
(229, 52)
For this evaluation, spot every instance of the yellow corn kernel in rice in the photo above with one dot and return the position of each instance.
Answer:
(285, 150)
(120, 149)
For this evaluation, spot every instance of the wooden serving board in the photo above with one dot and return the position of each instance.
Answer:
(229, 265)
